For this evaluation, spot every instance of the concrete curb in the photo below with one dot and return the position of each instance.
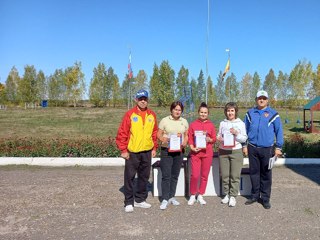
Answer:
(64, 162)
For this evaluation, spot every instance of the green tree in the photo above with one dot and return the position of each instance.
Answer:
(115, 98)
(56, 87)
(300, 81)
(316, 82)
(140, 81)
(2, 94)
(162, 84)
(12, 83)
(212, 97)
(74, 82)
(201, 88)
(270, 85)
(221, 97)
(182, 82)
(193, 89)
(28, 85)
(155, 85)
(282, 90)
(98, 85)
(41, 85)
(256, 83)
(245, 87)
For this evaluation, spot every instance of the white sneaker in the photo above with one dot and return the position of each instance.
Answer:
(192, 200)
(174, 202)
(143, 204)
(164, 204)
(232, 202)
(128, 208)
(225, 199)
(201, 200)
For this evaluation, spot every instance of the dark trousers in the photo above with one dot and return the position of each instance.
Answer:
(260, 175)
(170, 165)
(139, 163)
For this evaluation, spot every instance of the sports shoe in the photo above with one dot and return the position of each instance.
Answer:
(225, 199)
(192, 200)
(266, 205)
(174, 202)
(250, 201)
(201, 200)
(232, 202)
(143, 204)
(164, 204)
(128, 208)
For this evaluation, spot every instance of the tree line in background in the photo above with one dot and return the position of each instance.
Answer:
(66, 87)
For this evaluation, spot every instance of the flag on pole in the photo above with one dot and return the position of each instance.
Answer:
(226, 70)
(130, 73)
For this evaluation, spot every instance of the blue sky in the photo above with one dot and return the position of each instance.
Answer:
(263, 34)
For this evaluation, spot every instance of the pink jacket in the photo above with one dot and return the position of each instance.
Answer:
(207, 126)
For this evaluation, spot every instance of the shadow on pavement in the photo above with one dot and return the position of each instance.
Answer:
(311, 172)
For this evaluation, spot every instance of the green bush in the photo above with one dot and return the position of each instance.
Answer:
(296, 146)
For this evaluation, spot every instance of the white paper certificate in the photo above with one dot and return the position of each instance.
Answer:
(228, 139)
(175, 143)
(200, 139)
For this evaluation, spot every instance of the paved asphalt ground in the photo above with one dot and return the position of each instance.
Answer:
(87, 203)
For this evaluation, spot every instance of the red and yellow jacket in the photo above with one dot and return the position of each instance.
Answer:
(136, 135)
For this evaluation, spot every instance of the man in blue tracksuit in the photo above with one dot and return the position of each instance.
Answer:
(265, 139)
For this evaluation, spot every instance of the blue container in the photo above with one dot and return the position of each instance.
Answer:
(44, 103)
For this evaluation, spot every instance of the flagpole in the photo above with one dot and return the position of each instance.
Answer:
(228, 50)
(207, 47)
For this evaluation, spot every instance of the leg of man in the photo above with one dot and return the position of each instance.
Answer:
(225, 170)
(235, 171)
(143, 176)
(195, 174)
(175, 172)
(130, 170)
(166, 162)
(254, 168)
(266, 174)
(206, 163)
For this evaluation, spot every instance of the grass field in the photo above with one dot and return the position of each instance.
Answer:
(75, 123)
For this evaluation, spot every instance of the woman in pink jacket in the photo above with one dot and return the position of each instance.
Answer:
(202, 136)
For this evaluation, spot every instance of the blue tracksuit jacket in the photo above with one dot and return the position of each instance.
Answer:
(263, 127)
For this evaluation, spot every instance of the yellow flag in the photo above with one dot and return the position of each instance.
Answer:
(227, 68)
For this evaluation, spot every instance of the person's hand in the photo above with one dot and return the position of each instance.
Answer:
(245, 151)
(164, 139)
(234, 131)
(125, 155)
(195, 149)
(278, 152)
(184, 143)
(153, 153)
(220, 139)
(208, 139)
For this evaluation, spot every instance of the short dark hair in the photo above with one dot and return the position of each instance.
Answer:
(203, 105)
(231, 105)
(176, 103)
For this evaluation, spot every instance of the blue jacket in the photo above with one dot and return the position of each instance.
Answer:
(263, 126)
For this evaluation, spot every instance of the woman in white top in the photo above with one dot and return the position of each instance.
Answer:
(231, 135)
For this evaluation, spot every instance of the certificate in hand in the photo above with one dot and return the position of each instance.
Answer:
(200, 139)
(175, 143)
(272, 161)
(228, 140)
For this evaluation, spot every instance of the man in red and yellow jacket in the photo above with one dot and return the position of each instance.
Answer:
(137, 141)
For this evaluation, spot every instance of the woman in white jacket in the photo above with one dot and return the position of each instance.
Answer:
(231, 135)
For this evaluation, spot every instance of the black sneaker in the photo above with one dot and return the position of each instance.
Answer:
(266, 205)
(250, 201)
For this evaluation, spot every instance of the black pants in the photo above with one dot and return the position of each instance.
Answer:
(139, 163)
(170, 165)
(260, 175)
